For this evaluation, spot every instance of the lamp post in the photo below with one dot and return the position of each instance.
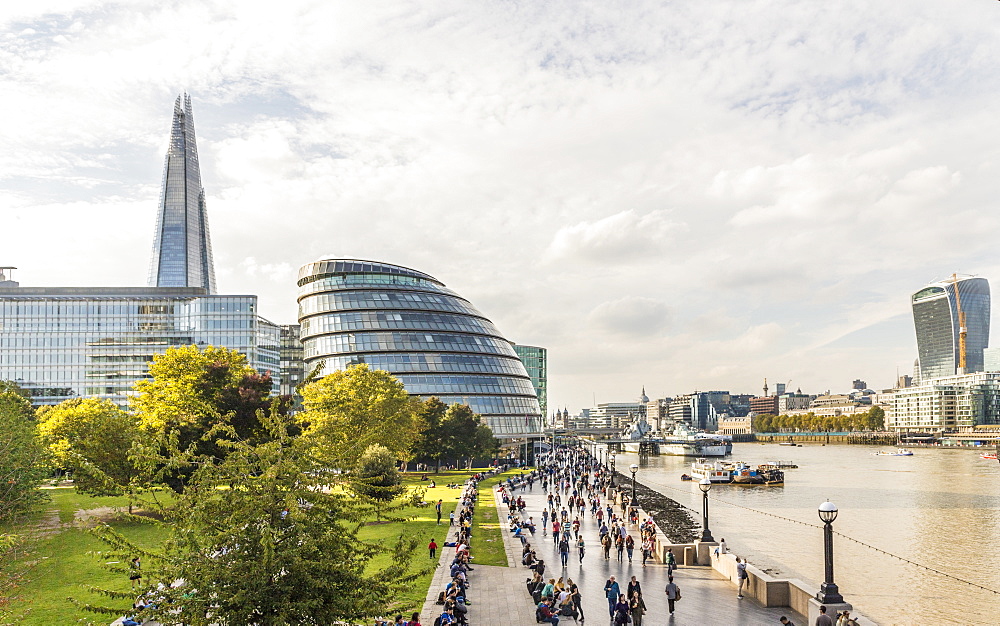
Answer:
(612, 470)
(634, 468)
(705, 485)
(828, 592)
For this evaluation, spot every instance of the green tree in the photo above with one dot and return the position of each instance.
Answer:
(22, 471)
(377, 478)
(874, 419)
(467, 435)
(92, 439)
(429, 446)
(763, 423)
(191, 396)
(22, 457)
(261, 539)
(349, 410)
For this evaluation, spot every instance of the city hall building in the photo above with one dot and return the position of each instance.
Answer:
(411, 325)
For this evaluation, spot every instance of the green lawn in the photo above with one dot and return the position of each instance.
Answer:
(487, 541)
(423, 526)
(65, 564)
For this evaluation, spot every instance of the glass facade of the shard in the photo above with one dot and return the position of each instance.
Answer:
(182, 248)
(936, 321)
(409, 324)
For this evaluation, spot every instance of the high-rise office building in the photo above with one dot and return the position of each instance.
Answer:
(936, 321)
(536, 361)
(182, 248)
(409, 324)
(292, 366)
(70, 342)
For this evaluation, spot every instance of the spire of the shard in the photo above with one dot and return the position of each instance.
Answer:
(182, 249)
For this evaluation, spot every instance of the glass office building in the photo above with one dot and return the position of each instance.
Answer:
(935, 319)
(536, 362)
(408, 323)
(292, 366)
(61, 343)
(182, 248)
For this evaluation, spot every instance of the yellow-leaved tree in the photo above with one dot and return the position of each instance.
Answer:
(349, 410)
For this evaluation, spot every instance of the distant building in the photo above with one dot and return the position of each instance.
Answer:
(617, 415)
(536, 361)
(793, 402)
(730, 425)
(905, 381)
(292, 365)
(936, 320)
(765, 405)
(991, 360)
(859, 384)
(946, 404)
(779, 389)
(658, 413)
(695, 409)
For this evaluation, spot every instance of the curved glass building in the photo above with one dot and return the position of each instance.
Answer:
(409, 324)
(935, 319)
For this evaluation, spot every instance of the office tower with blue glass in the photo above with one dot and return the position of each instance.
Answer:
(938, 310)
(182, 248)
(70, 342)
(411, 325)
(536, 362)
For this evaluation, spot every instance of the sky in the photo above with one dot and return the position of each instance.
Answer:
(679, 196)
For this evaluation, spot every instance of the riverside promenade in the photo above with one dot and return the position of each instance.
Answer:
(499, 595)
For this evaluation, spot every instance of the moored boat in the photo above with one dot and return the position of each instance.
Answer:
(717, 472)
(991, 456)
(763, 474)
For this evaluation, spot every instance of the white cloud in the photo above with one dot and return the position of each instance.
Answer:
(683, 193)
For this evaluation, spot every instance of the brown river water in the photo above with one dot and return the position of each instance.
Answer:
(939, 508)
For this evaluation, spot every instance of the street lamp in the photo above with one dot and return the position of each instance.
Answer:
(634, 468)
(612, 470)
(705, 485)
(828, 592)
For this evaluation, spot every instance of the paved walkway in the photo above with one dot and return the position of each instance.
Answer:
(708, 598)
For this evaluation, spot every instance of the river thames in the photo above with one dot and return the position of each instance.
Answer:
(939, 508)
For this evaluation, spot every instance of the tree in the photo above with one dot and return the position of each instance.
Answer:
(21, 473)
(349, 410)
(192, 393)
(260, 539)
(376, 477)
(91, 438)
(430, 445)
(22, 464)
(875, 419)
(467, 435)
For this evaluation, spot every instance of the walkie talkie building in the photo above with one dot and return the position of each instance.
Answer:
(935, 319)
(408, 323)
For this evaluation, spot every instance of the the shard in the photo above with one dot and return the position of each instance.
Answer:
(182, 249)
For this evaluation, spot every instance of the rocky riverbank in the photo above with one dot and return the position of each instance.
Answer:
(675, 521)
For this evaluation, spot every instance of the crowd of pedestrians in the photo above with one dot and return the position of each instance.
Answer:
(576, 486)
(454, 598)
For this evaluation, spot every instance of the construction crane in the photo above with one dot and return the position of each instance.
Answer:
(963, 331)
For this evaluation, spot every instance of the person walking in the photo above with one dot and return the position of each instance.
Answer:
(564, 550)
(636, 609)
(622, 613)
(671, 561)
(433, 548)
(577, 599)
(741, 577)
(673, 594)
(634, 588)
(620, 546)
(629, 546)
(611, 592)
(580, 547)
(606, 544)
(437, 507)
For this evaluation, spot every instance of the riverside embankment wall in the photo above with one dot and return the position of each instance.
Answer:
(766, 589)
